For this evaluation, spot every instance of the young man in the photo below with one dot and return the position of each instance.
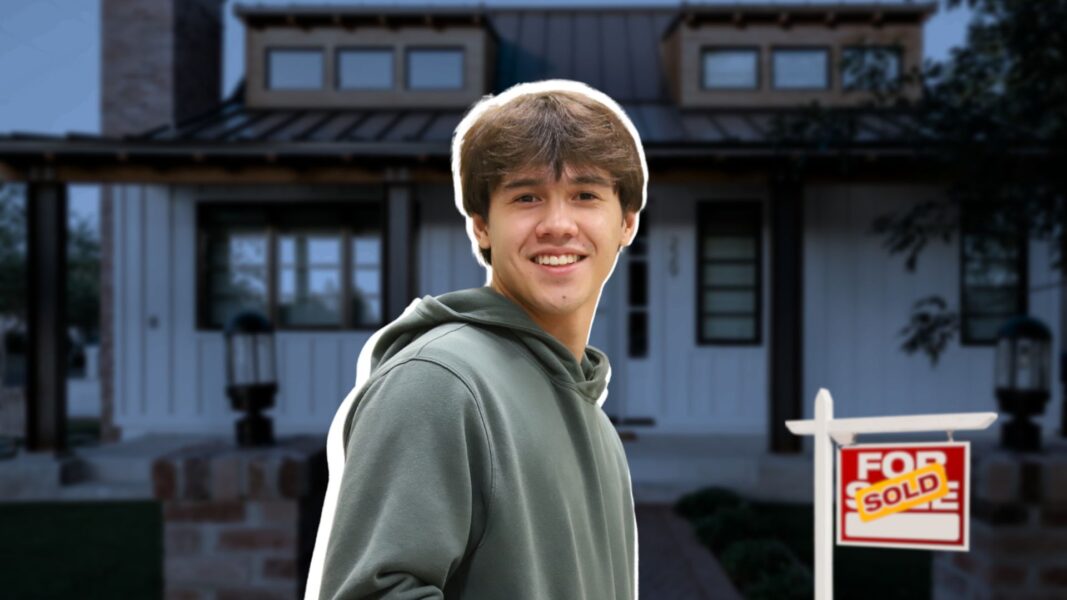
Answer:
(473, 458)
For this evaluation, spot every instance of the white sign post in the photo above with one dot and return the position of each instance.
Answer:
(827, 430)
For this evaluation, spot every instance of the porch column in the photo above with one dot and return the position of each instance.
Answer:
(398, 272)
(786, 306)
(46, 392)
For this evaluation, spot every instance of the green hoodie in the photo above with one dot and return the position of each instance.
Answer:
(479, 464)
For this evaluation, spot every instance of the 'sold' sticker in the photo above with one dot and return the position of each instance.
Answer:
(900, 493)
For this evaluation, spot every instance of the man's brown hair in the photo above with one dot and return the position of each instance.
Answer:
(547, 129)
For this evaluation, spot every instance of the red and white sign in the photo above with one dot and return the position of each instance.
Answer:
(904, 495)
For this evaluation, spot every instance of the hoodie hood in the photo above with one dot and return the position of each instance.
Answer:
(485, 307)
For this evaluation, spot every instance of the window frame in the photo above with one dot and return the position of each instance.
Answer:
(339, 50)
(1022, 285)
(274, 214)
(706, 49)
(424, 47)
(704, 208)
(896, 49)
(827, 67)
(305, 49)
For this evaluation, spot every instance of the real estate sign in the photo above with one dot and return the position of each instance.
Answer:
(904, 495)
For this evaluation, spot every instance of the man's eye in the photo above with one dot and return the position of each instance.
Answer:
(525, 198)
(588, 196)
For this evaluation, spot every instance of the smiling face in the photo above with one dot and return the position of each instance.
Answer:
(554, 242)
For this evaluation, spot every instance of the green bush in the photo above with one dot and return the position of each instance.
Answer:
(706, 502)
(792, 583)
(747, 561)
(729, 525)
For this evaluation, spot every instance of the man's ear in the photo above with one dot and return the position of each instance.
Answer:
(481, 231)
(629, 227)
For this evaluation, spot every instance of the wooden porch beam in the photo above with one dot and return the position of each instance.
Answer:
(46, 391)
(400, 209)
(787, 309)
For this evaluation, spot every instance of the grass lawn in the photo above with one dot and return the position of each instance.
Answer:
(82, 550)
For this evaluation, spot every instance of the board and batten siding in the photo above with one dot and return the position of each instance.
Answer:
(857, 298)
(687, 387)
(170, 376)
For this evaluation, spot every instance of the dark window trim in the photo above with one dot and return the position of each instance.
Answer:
(827, 66)
(704, 207)
(705, 49)
(308, 49)
(1022, 287)
(274, 212)
(349, 48)
(897, 49)
(421, 47)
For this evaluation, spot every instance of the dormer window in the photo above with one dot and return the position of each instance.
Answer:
(862, 66)
(295, 69)
(365, 68)
(730, 68)
(434, 68)
(800, 69)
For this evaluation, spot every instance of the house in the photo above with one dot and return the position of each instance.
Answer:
(319, 193)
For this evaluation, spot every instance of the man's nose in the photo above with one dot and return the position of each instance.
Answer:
(558, 219)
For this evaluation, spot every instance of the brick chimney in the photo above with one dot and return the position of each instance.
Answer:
(161, 62)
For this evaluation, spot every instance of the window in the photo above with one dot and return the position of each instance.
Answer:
(637, 259)
(305, 266)
(728, 275)
(800, 68)
(863, 66)
(730, 69)
(365, 69)
(435, 68)
(993, 276)
(294, 69)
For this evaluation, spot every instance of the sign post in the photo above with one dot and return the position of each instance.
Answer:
(886, 495)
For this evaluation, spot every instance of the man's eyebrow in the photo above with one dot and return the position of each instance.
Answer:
(526, 182)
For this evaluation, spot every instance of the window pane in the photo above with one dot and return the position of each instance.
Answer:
(309, 279)
(366, 250)
(237, 275)
(800, 69)
(991, 300)
(730, 328)
(367, 281)
(638, 283)
(294, 69)
(366, 310)
(990, 273)
(983, 329)
(730, 247)
(435, 69)
(729, 274)
(729, 301)
(730, 69)
(863, 66)
(365, 69)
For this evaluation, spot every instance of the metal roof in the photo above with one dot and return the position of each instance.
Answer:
(613, 50)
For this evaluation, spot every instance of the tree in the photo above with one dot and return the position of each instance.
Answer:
(83, 272)
(993, 118)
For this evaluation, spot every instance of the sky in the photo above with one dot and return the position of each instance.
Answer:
(50, 61)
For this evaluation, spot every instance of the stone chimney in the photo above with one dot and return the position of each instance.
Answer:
(161, 62)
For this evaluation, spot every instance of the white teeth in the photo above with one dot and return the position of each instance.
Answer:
(556, 260)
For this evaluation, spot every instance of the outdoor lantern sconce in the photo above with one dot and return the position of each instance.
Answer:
(1022, 380)
(250, 379)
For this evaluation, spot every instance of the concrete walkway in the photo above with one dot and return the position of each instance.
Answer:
(672, 564)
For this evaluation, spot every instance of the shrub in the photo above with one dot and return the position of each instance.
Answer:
(747, 561)
(729, 525)
(706, 502)
(792, 583)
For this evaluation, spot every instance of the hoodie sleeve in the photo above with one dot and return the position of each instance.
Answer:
(415, 487)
